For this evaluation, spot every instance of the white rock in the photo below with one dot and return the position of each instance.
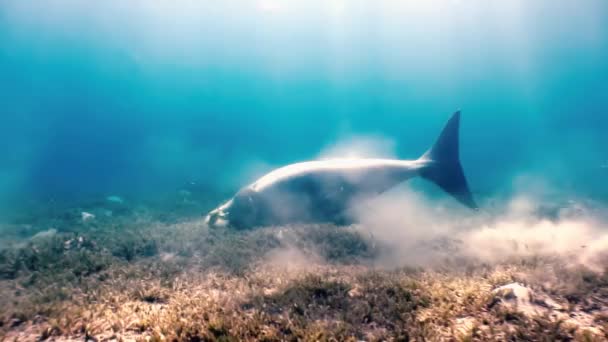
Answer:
(516, 295)
(515, 291)
(525, 300)
(530, 303)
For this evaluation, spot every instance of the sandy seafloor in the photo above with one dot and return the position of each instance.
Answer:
(154, 271)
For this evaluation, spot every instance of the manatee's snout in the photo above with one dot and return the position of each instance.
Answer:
(218, 217)
(241, 212)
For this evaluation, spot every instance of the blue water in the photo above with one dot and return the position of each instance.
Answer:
(138, 98)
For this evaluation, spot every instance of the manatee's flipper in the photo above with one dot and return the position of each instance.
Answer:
(442, 164)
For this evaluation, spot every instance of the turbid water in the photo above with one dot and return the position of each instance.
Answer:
(138, 99)
(123, 122)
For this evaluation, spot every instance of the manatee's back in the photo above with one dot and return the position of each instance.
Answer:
(322, 191)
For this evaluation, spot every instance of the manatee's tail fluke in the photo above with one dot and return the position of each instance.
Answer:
(443, 164)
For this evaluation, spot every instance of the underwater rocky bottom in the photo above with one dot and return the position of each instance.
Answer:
(132, 275)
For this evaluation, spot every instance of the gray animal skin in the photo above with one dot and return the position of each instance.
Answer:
(323, 190)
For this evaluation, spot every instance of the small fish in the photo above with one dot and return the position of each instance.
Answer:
(86, 217)
(115, 199)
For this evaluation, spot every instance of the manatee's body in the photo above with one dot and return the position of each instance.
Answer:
(322, 191)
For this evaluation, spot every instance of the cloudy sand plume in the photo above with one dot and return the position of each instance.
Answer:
(408, 225)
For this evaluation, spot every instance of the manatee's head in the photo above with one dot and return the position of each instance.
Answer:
(243, 211)
(218, 217)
